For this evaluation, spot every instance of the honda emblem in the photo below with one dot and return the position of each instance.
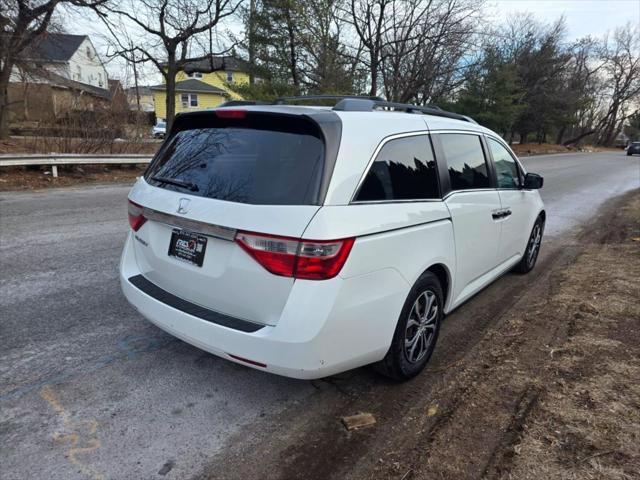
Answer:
(183, 205)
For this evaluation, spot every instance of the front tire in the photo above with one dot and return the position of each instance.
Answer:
(416, 332)
(528, 260)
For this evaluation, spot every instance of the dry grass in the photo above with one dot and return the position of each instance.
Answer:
(586, 424)
(549, 148)
(21, 178)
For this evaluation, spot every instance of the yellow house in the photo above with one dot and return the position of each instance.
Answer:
(203, 84)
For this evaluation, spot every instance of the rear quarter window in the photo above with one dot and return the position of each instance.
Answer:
(261, 159)
(404, 169)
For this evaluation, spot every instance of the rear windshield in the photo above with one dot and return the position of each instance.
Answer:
(263, 160)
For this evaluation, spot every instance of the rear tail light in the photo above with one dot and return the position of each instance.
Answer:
(136, 219)
(299, 258)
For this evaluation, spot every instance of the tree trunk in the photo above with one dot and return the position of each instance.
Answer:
(560, 135)
(5, 74)
(374, 75)
(571, 141)
(170, 101)
(293, 60)
(135, 82)
(252, 41)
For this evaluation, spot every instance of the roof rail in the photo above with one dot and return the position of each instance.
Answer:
(242, 103)
(358, 103)
(302, 98)
(369, 104)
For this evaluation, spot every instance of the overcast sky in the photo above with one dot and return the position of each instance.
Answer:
(583, 17)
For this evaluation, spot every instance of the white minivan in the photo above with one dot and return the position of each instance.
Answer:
(309, 240)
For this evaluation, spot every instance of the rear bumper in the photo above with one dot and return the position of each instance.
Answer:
(326, 327)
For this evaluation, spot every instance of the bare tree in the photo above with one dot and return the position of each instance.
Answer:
(425, 46)
(169, 30)
(371, 20)
(621, 67)
(324, 64)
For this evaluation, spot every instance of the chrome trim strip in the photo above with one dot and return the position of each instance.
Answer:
(374, 202)
(471, 190)
(217, 231)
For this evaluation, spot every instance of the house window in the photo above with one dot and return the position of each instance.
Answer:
(229, 76)
(99, 79)
(78, 73)
(189, 100)
(89, 54)
(195, 75)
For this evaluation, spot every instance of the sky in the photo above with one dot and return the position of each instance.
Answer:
(582, 17)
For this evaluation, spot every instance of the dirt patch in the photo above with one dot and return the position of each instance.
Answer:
(552, 390)
(542, 382)
(35, 178)
(550, 148)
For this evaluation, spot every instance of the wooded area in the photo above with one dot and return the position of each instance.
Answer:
(523, 78)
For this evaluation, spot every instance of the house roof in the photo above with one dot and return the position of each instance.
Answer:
(53, 79)
(192, 86)
(215, 64)
(142, 90)
(55, 47)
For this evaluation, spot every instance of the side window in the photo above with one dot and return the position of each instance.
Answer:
(404, 169)
(465, 161)
(506, 166)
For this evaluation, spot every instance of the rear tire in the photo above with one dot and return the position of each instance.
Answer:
(528, 260)
(416, 332)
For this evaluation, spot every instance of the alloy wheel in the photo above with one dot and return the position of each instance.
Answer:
(421, 326)
(534, 244)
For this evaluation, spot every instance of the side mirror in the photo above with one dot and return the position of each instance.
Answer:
(533, 181)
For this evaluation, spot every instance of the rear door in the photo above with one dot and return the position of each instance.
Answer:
(217, 175)
(473, 202)
(518, 205)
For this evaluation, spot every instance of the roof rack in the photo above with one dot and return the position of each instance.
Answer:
(303, 98)
(358, 103)
(366, 105)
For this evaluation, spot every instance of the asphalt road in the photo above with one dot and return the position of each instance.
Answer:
(89, 389)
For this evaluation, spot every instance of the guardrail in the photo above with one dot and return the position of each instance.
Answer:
(70, 159)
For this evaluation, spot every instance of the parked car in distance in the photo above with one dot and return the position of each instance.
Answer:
(306, 241)
(159, 130)
(634, 147)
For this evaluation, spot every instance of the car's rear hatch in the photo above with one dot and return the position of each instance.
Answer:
(219, 173)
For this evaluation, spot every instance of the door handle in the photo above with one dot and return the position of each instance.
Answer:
(498, 214)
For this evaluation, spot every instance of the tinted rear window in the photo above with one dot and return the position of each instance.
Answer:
(405, 169)
(273, 160)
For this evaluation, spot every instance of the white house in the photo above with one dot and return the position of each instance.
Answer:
(71, 56)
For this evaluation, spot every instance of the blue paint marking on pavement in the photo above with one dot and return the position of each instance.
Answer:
(129, 348)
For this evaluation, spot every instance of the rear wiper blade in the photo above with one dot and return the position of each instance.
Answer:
(178, 183)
